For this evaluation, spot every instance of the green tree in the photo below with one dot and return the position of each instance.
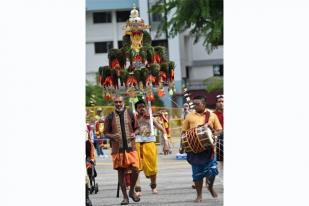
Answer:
(94, 96)
(203, 18)
(214, 83)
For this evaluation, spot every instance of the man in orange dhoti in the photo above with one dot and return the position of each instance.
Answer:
(119, 127)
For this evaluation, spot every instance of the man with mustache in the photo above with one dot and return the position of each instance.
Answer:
(147, 149)
(120, 126)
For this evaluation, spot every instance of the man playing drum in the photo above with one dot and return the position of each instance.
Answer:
(146, 147)
(203, 163)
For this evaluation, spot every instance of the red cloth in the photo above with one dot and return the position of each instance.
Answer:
(220, 117)
(127, 178)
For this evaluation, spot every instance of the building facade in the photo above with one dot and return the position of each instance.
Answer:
(104, 22)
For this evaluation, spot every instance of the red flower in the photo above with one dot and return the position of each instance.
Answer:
(131, 80)
(108, 81)
(161, 93)
(172, 74)
(156, 58)
(150, 78)
(162, 75)
(150, 98)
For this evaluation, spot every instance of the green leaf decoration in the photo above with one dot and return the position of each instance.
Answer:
(149, 53)
(146, 39)
(143, 52)
(164, 68)
(124, 75)
(106, 71)
(144, 74)
(117, 54)
(171, 66)
(161, 51)
(154, 69)
(126, 42)
(137, 75)
(101, 71)
(132, 54)
(133, 100)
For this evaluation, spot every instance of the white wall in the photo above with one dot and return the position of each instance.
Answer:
(201, 73)
(184, 55)
(120, 32)
(98, 32)
(93, 61)
(91, 78)
(95, 33)
(143, 10)
(200, 52)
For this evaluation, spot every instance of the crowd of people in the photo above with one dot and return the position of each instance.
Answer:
(133, 146)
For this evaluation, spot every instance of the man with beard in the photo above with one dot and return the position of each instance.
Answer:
(119, 127)
(147, 149)
(204, 163)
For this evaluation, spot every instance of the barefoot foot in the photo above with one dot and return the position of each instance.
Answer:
(154, 191)
(212, 191)
(138, 194)
(198, 199)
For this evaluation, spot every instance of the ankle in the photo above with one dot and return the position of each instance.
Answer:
(153, 185)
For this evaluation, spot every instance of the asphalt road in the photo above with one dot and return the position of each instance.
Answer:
(174, 182)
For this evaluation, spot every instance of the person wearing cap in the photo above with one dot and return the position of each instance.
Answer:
(147, 149)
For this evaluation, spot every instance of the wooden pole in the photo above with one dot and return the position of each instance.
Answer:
(151, 118)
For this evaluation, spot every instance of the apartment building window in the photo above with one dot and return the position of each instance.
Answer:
(160, 43)
(122, 16)
(102, 47)
(102, 17)
(120, 44)
(218, 70)
(157, 17)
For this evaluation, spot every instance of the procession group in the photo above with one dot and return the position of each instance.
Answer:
(133, 146)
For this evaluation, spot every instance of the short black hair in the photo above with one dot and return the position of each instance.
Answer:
(139, 102)
(202, 98)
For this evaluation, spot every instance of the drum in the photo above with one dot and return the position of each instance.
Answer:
(198, 139)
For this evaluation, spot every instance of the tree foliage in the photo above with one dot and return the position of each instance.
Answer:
(214, 83)
(94, 96)
(203, 18)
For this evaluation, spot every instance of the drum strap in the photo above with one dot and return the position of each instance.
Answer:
(207, 115)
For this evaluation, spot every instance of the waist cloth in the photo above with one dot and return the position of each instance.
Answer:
(203, 164)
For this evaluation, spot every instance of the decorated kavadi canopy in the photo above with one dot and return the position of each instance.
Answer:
(137, 66)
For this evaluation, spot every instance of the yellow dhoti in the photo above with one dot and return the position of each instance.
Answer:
(148, 158)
